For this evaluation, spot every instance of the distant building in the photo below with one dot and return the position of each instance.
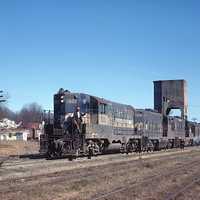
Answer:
(35, 130)
(9, 130)
(10, 135)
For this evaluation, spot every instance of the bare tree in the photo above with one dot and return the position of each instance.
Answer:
(5, 112)
(30, 113)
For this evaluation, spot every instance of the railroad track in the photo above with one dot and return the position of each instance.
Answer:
(25, 160)
(18, 160)
(63, 176)
(181, 190)
(63, 165)
(151, 178)
(24, 166)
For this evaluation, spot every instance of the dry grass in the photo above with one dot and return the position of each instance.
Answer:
(83, 179)
(148, 165)
(9, 148)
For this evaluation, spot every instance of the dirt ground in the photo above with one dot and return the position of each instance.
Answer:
(166, 175)
(12, 148)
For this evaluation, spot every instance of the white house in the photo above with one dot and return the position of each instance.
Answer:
(10, 135)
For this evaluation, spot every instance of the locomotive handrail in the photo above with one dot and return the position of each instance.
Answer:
(48, 116)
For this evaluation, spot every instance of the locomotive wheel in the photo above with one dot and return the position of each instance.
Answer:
(71, 158)
(50, 155)
(90, 153)
(123, 149)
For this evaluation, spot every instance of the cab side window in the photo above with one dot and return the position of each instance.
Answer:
(102, 108)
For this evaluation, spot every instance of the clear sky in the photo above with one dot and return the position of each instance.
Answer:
(109, 48)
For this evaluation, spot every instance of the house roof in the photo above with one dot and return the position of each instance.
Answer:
(31, 125)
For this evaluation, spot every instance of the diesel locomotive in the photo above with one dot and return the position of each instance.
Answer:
(107, 126)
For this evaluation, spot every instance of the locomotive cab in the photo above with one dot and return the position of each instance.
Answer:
(64, 137)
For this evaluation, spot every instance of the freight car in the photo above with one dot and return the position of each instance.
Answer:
(106, 127)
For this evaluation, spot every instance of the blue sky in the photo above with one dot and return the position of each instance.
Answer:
(109, 48)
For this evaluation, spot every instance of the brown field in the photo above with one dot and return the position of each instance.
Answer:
(174, 174)
(12, 148)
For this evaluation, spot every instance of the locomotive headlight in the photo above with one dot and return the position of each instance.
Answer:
(62, 99)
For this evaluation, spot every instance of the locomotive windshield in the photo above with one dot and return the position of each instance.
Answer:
(74, 100)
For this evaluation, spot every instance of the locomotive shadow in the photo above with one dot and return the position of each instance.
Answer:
(33, 156)
(43, 156)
